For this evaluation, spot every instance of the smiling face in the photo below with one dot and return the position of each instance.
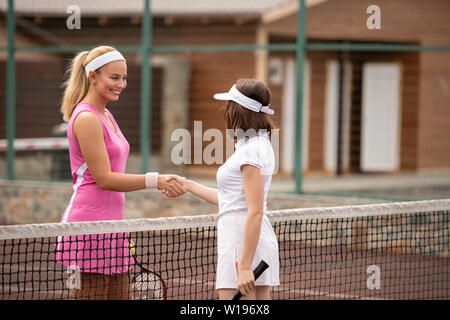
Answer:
(110, 80)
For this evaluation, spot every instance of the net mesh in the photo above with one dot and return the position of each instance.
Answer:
(385, 251)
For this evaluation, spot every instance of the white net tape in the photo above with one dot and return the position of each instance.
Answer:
(137, 225)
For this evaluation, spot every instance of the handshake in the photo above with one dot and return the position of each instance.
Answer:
(172, 185)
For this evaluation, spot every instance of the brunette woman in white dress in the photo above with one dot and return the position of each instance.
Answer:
(245, 235)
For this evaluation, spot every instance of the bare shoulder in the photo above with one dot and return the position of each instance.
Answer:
(87, 122)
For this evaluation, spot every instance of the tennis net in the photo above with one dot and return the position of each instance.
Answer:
(379, 251)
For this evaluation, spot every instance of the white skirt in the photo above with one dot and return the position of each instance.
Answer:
(230, 239)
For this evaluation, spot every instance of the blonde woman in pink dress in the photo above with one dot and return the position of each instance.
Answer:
(98, 154)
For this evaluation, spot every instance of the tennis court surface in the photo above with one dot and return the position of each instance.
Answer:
(377, 251)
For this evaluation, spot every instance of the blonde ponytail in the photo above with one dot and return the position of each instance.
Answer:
(77, 85)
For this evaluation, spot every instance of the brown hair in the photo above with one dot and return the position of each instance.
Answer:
(238, 117)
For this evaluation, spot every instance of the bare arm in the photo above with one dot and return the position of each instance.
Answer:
(88, 130)
(254, 196)
(202, 191)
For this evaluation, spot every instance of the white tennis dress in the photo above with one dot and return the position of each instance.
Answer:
(256, 151)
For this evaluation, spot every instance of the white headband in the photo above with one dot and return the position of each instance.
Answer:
(103, 59)
(246, 102)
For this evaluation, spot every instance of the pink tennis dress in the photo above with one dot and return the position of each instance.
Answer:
(103, 253)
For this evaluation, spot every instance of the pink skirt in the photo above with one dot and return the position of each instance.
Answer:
(103, 253)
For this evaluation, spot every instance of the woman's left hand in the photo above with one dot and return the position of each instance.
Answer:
(171, 185)
(246, 281)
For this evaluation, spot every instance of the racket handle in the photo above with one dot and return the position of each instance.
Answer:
(262, 266)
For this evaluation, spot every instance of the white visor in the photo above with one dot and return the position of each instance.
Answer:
(246, 102)
(103, 59)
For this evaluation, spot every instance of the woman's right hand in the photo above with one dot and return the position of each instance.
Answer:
(246, 281)
(171, 185)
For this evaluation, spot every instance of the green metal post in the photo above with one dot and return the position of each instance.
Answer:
(300, 51)
(146, 87)
(10, 92)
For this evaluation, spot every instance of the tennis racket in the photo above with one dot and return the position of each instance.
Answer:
(146, 284)
(262, 266)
